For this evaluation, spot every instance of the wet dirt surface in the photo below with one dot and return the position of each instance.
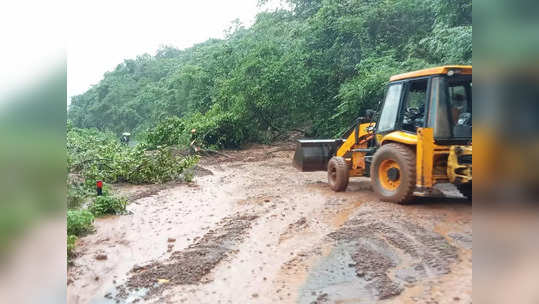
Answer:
(252, 229)
(190, 265)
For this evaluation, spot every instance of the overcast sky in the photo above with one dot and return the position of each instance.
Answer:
(101, 34)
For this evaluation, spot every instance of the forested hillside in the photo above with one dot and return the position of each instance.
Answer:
(316, 67)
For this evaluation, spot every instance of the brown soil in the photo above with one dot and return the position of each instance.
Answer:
(191, 265)
(255, 230)
(384, 241)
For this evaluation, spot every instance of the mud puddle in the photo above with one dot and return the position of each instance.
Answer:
(332, 280)
(390, 254)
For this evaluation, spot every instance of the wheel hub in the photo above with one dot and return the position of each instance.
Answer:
(389, 174)
(393, 174)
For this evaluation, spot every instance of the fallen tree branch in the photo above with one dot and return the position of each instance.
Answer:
(215, 152)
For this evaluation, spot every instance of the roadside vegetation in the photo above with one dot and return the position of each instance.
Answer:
(93, 155)
(314, 67)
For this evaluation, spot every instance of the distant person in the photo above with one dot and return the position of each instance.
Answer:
(125, 138)
(193, 146)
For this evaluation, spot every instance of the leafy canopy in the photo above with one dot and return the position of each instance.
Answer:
(315, 66)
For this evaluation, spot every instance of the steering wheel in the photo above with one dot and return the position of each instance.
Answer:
(412, 113)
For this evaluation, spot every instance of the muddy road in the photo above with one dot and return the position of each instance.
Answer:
(252, 229)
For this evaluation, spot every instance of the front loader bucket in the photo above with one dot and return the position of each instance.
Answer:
(314, 154)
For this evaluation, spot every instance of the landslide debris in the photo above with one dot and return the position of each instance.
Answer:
(192, 264)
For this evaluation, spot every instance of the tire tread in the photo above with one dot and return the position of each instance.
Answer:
(406, 193)
(341, 167)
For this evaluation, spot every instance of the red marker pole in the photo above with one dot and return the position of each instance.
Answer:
(99, 187)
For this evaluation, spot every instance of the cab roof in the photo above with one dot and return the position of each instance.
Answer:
(459, 69)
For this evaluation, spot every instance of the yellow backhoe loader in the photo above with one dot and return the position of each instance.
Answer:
(421, 136)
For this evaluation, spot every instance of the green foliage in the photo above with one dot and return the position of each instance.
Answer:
(317, 66)
(79, 222)
(168, 132)
(188, 175)
(157, 166)
(71, 240)
(213, 129)
(221, 130)
(448, 45)
(93, 155)
(99, 156)
(76, 194)
(108, 205)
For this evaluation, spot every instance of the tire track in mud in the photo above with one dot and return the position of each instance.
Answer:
(385, 252)
(379, 247)
(190, 265)
(282, 236)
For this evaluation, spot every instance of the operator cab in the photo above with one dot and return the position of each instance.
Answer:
(438, 98)
(421, 138)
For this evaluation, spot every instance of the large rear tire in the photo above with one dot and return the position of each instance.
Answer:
(393, 173)
(338, 174)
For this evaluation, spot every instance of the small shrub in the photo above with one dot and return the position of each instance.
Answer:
(108, 205)
(188, 175)
(79, 222)
(71, 239)
(76, 195)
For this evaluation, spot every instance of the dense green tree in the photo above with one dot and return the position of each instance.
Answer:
(316, 65)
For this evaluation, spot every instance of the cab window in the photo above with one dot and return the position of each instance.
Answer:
(451, 107)
(459, 100)
(390, 109)
(413, 111)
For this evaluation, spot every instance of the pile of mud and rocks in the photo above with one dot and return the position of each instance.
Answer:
(190, 265)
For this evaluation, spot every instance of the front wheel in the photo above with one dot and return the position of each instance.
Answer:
(338, 174)
(393, 173)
